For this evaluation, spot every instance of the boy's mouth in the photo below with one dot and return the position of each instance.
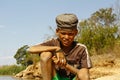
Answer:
(66, 43)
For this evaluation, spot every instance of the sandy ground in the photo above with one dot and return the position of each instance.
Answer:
(113, 77)
(105, 67)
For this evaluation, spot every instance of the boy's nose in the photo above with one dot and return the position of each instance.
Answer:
(66, 36)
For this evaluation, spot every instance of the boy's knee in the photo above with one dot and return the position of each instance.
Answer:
(83, 75)
(45, 56)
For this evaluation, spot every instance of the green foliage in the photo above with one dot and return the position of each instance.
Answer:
(104, 17)
(21, 55)
(25, 58)
(11, 69)
(99, 31)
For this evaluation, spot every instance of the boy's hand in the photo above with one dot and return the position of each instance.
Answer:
(60, 56)
(59, 62)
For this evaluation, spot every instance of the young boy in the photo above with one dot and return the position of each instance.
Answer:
(63, 58)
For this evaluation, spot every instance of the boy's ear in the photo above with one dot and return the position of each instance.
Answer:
(57, 31)
(76, 32)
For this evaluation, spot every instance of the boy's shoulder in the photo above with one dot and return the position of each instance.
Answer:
(81, 45)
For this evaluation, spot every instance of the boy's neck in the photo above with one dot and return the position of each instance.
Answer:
(67, 49)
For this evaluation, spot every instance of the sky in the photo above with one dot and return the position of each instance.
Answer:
(27, 22)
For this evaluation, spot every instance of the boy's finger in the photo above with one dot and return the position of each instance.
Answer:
(54, 58)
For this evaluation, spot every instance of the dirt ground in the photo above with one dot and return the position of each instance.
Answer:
(105, 67)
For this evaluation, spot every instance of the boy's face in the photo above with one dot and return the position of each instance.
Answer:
(66, 36)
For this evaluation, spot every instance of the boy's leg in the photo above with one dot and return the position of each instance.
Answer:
(46, 65)
(54, 73)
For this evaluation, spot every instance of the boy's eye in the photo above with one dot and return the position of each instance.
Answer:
(70, 34)
(63, 33)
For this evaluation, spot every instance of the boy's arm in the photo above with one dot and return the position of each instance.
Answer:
(65, 65)
(79, 72)
(71, 68)
(39, 48)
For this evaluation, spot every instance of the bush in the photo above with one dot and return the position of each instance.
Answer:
(98, 38)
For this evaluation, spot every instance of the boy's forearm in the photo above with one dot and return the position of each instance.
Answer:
(71, 69)
(39, 48)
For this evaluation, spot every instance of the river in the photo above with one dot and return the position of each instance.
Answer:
(9, 78)
(12, 78)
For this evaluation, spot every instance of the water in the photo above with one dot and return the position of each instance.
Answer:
(9, 78)
(13, 78)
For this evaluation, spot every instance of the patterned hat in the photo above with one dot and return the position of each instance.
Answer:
(68, 21)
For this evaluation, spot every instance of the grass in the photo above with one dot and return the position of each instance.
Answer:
(11, 69)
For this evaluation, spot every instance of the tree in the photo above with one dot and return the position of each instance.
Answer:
(21, 55)
(25, 58)
(98, 31)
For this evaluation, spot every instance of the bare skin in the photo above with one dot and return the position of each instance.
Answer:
(38, 48)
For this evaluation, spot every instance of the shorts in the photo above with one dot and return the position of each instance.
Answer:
(58, 77)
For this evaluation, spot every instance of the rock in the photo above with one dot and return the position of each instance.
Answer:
(31, 72)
